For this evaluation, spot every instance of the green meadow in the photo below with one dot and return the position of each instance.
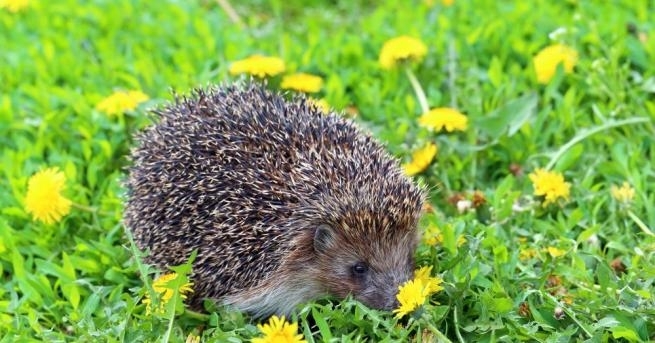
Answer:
(540, 222)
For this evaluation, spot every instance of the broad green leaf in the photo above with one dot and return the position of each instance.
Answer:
(509, 118)
(67, 267)
(603, 273)
(626, 333)
(502, 305)
(322, 325)
(570, 158)
(68, 286)
(495, 72)
(500, 254)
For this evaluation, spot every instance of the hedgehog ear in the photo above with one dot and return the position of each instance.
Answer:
(323, 237)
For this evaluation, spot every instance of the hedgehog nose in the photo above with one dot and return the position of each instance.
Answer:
(392, 302)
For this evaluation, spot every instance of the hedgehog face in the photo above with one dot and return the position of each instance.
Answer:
(374, 280)
(370, 272)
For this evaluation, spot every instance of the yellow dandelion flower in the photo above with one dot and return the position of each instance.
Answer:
(433, 284)
(547, 60)
(441, 118)
(432, 235)
(278, 330)
(400, 49)
(623, 194)
(258, 65)
(302, 82)
(556, 252)
(551, 185)
(568, 299)
(527, 253)
(14, 6)
(421, 159)
(164, 290)
(120, 102)
(191, 338)
(446, 3)
(321, 104)
(44, 200)
(411, 295)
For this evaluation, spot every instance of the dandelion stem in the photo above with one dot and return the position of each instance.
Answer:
(231, 13)
(139, 263)
(84, 208)
(589, 132)
(452, 72)
(456, 322)
(196, 315)
(641, 224)
(418, 90)
(169, 330)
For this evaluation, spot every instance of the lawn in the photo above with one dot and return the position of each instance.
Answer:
(531, 123)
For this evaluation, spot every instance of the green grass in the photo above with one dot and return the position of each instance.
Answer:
(77, 280)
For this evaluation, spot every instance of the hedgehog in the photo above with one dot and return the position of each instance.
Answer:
(283, 203)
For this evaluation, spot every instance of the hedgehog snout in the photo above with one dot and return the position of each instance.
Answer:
(382, 294)
(391, 298)
(392, 301)
(387, 300)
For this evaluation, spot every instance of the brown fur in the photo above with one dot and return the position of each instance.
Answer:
(248, 178)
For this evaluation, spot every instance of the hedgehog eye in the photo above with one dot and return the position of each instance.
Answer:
(359, 269)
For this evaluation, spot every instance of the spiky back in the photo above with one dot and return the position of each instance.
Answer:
(237, 172)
